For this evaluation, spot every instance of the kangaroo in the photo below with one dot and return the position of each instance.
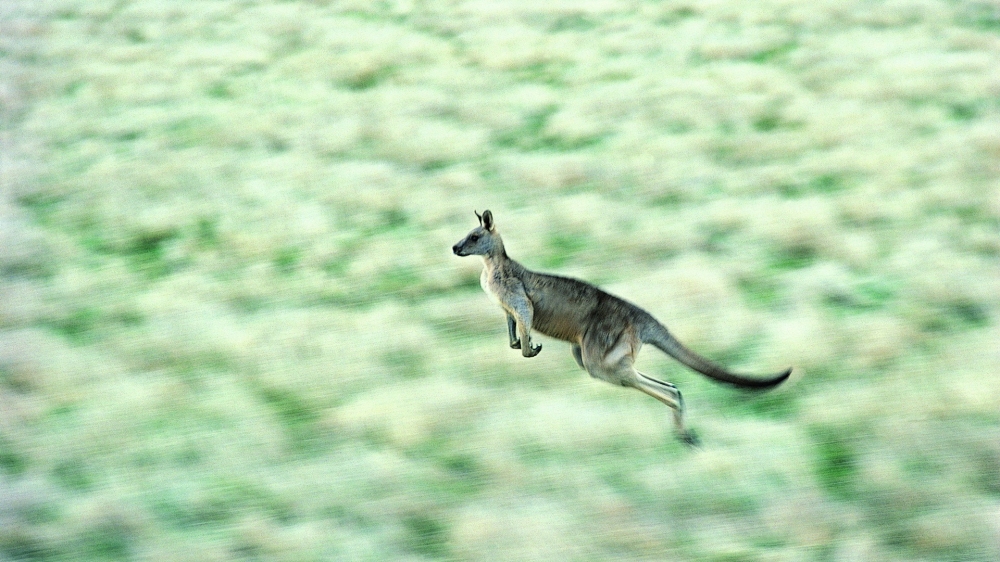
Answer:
(606, 332)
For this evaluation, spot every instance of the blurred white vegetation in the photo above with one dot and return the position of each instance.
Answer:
(231, 326)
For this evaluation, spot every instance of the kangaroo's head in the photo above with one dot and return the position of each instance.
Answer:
(483, 240)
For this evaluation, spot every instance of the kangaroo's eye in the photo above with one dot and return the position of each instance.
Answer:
(474, 238)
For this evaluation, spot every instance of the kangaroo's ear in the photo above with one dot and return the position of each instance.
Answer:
(480, 217)
(487, 220)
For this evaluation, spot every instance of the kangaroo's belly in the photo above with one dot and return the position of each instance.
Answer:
(560, 318)
(559, 326)
(561, 306)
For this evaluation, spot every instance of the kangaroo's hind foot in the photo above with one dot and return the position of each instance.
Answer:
(669, 394)
(690, 438)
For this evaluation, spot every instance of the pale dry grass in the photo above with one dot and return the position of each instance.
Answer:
(231, 326)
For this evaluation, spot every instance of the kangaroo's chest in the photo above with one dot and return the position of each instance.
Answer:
(491, 283)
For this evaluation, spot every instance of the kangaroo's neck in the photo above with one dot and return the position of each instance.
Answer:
(497, 255)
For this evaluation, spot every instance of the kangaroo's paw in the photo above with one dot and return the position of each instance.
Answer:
(533, 350)
(516, 344)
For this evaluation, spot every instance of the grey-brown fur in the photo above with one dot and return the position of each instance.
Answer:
(606, 332)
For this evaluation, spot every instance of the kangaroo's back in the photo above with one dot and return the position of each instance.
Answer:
(565, 307)
(561, 305)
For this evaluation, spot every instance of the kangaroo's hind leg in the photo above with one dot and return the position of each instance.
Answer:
(578, 355)
(669, 395)
(609, 357)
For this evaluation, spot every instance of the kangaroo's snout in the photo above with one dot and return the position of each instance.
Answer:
(454, 250)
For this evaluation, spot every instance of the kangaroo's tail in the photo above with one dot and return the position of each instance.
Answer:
(658, 335)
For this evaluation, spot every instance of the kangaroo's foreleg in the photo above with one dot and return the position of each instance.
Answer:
(515, 343)
(520, 308)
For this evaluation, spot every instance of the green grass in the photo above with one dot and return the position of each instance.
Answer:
(231, 326)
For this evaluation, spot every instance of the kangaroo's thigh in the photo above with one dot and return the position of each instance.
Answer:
(609, 356)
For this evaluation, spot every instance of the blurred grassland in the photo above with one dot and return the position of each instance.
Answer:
(231, 327)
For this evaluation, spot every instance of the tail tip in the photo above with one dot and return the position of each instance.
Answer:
(783, 376)
(772, 381)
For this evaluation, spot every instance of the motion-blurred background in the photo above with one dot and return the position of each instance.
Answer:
(231, 327)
